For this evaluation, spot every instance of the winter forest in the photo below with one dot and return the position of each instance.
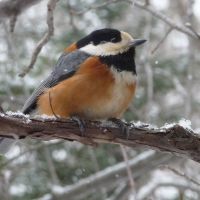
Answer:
(161, 158)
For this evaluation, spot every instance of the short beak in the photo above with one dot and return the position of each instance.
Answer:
(136, 42)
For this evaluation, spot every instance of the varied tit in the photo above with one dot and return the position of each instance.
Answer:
(95, 78)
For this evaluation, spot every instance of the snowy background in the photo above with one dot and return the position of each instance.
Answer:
(168, 91)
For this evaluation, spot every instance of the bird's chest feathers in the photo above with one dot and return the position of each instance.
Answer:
(116, 97)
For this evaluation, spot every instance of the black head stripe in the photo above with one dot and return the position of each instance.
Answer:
(100, 36)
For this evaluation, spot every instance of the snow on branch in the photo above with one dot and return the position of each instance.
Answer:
(174, 138)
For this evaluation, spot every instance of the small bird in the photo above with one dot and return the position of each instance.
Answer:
(95, 78)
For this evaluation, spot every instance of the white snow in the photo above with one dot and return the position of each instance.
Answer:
(17, 114)
(43, 116)
(18, 190)
(57, 189)
(185, 124)
(59, 155)
(46, 197)
(140, 124)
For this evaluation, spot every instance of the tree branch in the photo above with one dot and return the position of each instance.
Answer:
(165, 19)
(111, 175)
(174, 138)
(44, 40)
(11, 8)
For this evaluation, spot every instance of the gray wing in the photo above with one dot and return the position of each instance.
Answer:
(66, 66)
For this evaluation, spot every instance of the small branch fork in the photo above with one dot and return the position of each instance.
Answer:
(173, 139)
(50, 22)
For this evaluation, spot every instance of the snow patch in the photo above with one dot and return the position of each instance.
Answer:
(46, 197)
(185, 124)
(43, 117)
(18, 189)
(57, 189)
(59, 155)
(140, 124)
(17, 114)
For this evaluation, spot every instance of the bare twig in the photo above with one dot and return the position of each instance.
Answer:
(50, 22)
(180, 174)
(131, 180)
(179, 185)
(192, 29)
(51, 166)
(165, 18)
(95, 7)
(111, 175)
(11, 8)
(162, 40)
(13, 21)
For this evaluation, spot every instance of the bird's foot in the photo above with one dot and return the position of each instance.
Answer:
(81, 124)
(122, 125)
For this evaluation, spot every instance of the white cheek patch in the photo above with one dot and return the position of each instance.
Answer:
(105, 49)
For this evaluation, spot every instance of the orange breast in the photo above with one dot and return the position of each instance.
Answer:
(91, 93)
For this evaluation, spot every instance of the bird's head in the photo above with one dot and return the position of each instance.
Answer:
(106, 42)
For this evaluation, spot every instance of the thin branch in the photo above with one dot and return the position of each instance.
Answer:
(165, 19)
(175, 171)
(13, 21)
(50, 22)
(188, 25)
(173, 138)
(112, 175)
(179, 185)
(98, 6)
(11, 8)
(129, 173)
(162, 40)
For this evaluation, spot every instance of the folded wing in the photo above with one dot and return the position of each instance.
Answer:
(66, 66)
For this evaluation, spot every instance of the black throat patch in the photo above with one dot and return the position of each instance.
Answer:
(122, 61)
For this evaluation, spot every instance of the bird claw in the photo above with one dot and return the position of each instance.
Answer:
(81, 124)
(122, 125)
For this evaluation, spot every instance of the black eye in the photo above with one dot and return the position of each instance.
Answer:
(102, 42)
(113, 40)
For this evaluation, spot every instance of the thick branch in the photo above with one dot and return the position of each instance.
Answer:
(11, 8)
(174, 138)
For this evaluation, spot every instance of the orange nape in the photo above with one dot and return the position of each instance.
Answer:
(71, 48)
(91, 92)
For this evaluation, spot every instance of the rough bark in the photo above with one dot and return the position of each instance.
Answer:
(174, 139)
